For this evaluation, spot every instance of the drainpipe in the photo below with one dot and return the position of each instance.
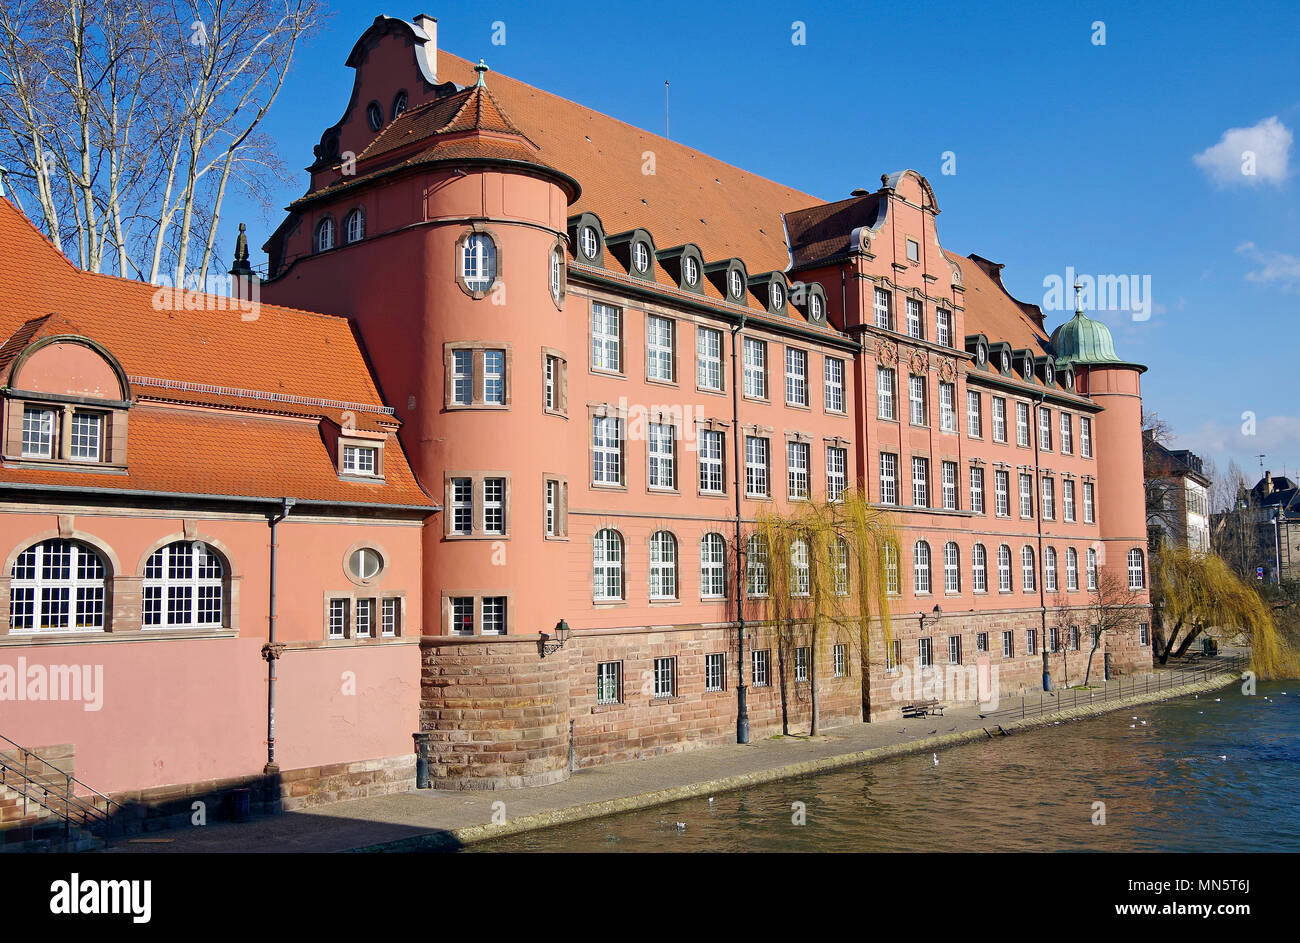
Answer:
(1037, 493)
(272, 650)
(742, 708)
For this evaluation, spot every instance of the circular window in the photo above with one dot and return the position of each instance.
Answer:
(375, 115)
(737, 284)
(399, 103)
(641, 257)
(587, 240)
(692, 271)
(365, 564)
(778, 296)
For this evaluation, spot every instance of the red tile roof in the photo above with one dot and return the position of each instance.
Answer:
(282, 361)
(991, 311)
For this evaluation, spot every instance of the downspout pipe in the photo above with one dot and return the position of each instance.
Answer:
(1036, 492)
(272, 650)
(742, 706)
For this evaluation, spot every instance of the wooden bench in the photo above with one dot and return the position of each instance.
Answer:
(923, 708)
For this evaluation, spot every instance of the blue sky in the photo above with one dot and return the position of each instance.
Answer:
(1067, 152)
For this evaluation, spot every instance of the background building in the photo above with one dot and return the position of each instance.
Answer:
(1177, 497)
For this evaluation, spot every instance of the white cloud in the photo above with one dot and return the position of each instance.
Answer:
(1273, 268)
(1254, 155)
(1278, 437)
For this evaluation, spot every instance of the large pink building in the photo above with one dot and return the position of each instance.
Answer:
(602, 354)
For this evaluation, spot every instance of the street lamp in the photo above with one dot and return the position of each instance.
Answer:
(561, 636)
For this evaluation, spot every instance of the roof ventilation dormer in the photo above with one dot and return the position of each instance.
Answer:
(427, 54)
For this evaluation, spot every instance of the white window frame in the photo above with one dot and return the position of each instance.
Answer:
(38, 432)
(1137, 579)
(665, 677)
(888, 478)
(833, 374)
(800, 568)
(948, 480)
(713, 567)
(660, 349)
(661, 449)
(921, 568)
(886, 398)
(976, 484)
(1067, 436)
(607, 565)
(708, 353)
(478, 261)
(1026, 492)
(798, 459)
(883, 310)
(607, 450)
(188, 575)
(979, 569)
(606, 338)
(1071, 570)
(1005, 584)
(757, 464)
(712, 448)
(920, 482)
(755, 368)
(999, 419)
(663, 565)
(86, 437)
(974, 415)
(1085, 436)
(1001, 493)
(837, 462)
(1089, 506)
(1028, 570)
(796, 377)
(918, 411)
(462, 506)
(362, 460)
(951, 568)
(915, 319)
(947, 407)
(54, 598)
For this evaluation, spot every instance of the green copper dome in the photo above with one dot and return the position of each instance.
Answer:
(1081, 340)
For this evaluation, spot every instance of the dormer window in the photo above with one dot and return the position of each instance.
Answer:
(815, 308)
(588, 242)
(1006, 362)
(374, 116)
(354, 226)
(86, 434)
(690, 270)
(38, 432)
(325, 234)
(737, 283)
(641, 257)
(360, 460)
(778, 296)
(399, 103)
(478, 262)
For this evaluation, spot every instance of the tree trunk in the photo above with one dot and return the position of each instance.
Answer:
(1091, 652)
(812, 680)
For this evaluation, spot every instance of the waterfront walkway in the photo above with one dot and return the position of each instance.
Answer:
(435, 819)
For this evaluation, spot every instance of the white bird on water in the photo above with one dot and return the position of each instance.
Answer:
(1223, 756)
(1132, 726)
(1218, 700)
(681, 826)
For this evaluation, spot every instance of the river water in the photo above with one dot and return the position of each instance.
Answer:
(1218, 772)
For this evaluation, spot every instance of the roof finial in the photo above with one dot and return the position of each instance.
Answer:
(482, 70)
(242, 266)
(1078, 297)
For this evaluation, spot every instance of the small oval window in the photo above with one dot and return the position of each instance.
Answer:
(815, 307)
(365, 564)
(375, 116)
(692, 270)
(588, 242)
(778, 296)
(641, 257)
(399, 103)
(737, 284)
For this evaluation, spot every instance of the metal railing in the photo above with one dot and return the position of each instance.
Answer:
(69, 799)
(1167, 678)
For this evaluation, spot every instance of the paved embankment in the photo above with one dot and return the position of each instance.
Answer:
(431, 819)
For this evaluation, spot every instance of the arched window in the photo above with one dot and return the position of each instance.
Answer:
(1071, 569)
(737, 283)
(1092, 568)
(921, 567)
(690, 270)
(557, 273)
(374, 116)
(607, 561)
(840, 562)
(478, 261)
(756, 565)
(589, 242)
(325, 234)
(399, 103)
(979, 569)
(1049, 569)
(800, 571)
(1004, 569)
(1137, 578)
(183, 585)
(891, 569)
(57, 586)
(951, 568)
(1028, 574)
(663, 565)
(354, 226)
(641, 257)
(713, 557)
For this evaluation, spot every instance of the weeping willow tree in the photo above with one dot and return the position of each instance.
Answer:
(1199, 591)
(823, 565)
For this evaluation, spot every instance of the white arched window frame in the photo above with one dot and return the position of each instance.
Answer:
(756, 566)
(478, 261)
(1004, 569)
(713, 559)
(641, 257)
(979, 569)
(1092, 568)
(840, 559)
(663, 565)
(57, 586)
(800, 571)
(737, 283)
(607, 562)
(588, 242)
(691, 270)
(892, 585)
(1028, 573)
(951, 568)
(184, 584)
(1137, 578)
(921, 567)
(325, 234)
(1049, 569)
(354, 226)
(557, 274)
(1071, 569)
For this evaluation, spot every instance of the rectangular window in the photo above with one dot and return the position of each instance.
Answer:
(1031, 642)
(1067, 500)
(914, 327)
(974, 415)
(1054, 638)
(462, 377)
(977, 489)
(1087, 503)
(661, 441)
(359, 460)
(755, 368)
(606, 338)
(1022, 424)
(888, 478)
(711, 451)
(86, 435)
(462, 506)
(1049, 499)
(494, 615)
(1074, 638)
(885, 408)
(665, 677)
(894, 656)
(462, 615)
(836, 472)
(715, 668)
(920, 415)
(948, 471)
(999, 419)
(834, 376)
(552, 508)
(338, 618)
(797, 457)
(365, 618)
(551, 390)
(883, 319)
(796, 377)
(1044, 428)
(1008, 645)
(494, 505)
(913, 251)
(756, 465)
(760, 668)
(1144, 633)
(801, 656)
(840, 654)
(609, 682)
(954, 649)
(708, 354)
(1026, 495)
(494, 377)
(921, 482)
(982, 642)
(606, 450)
(1002, 502)
(390, 617)
(659, 349)
(947, 407)
(1085, 437)
(943, 327)
(925, 651)
(1067, 439)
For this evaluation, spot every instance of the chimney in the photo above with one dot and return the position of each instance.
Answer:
(430, 25)
(1268, 482)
